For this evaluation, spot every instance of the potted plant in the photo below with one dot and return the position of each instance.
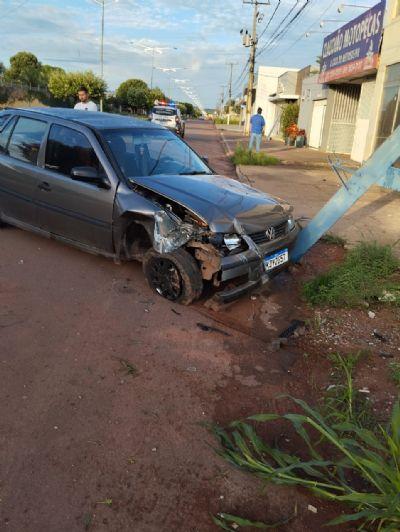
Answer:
(291, 134)
(300, 138)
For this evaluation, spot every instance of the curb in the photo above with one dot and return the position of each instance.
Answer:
(228, 151)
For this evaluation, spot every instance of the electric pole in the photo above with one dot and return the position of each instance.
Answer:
(222, 98)
(251, 41)
(231, 65)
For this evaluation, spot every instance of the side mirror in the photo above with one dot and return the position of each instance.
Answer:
(88, 174)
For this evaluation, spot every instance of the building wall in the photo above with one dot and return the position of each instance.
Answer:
(287, 83)
(311, 91)
(267, 83)
(365, 109)
(390, 55)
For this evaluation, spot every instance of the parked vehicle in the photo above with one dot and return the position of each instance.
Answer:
(169, 116)
(132, 190)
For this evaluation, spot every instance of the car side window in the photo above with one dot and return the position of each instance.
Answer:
(5, 132)
(3, 119)
(67, 148)
(26, 139)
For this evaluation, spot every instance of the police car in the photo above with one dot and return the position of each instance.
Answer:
(168, 115)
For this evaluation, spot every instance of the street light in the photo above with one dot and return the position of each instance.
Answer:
(308, 34)
(341, 7)
(322, 23)
(103, 4)
(154, 50)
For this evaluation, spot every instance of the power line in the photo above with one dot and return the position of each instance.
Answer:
(270, 19)
(308, 29)
(273, 41)
(275, 32)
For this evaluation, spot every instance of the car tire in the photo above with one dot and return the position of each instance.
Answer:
(175, 276)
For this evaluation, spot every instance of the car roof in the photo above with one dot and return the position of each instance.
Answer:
(94, 120)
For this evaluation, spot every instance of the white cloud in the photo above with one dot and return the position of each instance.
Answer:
(206, 33)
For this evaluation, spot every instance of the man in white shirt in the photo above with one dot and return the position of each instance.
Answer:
(84, 104)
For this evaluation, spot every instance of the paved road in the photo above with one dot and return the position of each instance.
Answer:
(78, 431)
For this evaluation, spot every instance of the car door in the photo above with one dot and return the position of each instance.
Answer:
(20, 143)
(78, 211)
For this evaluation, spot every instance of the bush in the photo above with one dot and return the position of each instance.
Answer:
(245, 156)
(364, 276)
(290, 115)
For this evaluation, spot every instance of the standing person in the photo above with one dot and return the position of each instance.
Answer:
(257, 124)
(85, 103)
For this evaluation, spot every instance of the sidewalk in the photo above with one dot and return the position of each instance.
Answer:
(374, 217)
(288, 155)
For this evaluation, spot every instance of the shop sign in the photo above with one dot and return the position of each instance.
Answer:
(354, 48)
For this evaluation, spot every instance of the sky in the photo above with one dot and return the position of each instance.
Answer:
(197, 37)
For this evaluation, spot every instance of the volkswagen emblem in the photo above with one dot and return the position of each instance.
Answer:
(270, 233)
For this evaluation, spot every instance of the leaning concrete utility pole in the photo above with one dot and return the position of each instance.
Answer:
(252, 42)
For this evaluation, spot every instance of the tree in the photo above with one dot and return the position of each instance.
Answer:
(155, 94)
(124, 88)
(65, 85)
(2, 69)
(290, 115)
(46, 72)
(24, 68)
(138, 98)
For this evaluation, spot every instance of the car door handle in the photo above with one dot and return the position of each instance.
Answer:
(44, 186)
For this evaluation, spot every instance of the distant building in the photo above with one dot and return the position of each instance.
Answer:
(267, 84)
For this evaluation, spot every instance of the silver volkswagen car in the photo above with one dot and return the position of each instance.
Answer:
(133, 190)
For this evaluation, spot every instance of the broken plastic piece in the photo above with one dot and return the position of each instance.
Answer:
(170, 232)
(294, 324)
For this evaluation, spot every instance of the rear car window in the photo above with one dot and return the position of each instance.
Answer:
(26, 139)
(5, 133)
(67, 149)
(164, 111)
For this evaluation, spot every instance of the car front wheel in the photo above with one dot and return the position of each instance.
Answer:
(174, 275)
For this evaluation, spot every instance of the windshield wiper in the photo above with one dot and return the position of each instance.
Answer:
(195, 172)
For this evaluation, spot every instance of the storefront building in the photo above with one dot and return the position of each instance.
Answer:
(361, 73)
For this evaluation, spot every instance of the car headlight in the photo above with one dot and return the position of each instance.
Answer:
(232, 241)
(291, 223)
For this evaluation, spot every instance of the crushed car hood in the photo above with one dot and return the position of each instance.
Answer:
(219, 201)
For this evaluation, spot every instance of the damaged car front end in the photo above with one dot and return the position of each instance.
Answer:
(204, 228)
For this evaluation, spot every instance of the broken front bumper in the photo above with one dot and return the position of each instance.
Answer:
(249, 266)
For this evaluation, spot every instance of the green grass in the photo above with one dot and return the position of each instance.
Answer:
(340, 457)
(335, 240)
(341, 462)
(343, 403)
(394, 368)
(233, 121)
(364, 276)
(246, 157)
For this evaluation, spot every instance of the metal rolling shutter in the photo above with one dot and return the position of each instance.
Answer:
(344, 116)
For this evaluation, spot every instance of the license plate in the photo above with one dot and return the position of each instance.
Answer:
(277, 259)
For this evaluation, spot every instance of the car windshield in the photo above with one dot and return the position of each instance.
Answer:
(164, 111)
(148, 151)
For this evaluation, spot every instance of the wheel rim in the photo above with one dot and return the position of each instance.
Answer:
(165, 278)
